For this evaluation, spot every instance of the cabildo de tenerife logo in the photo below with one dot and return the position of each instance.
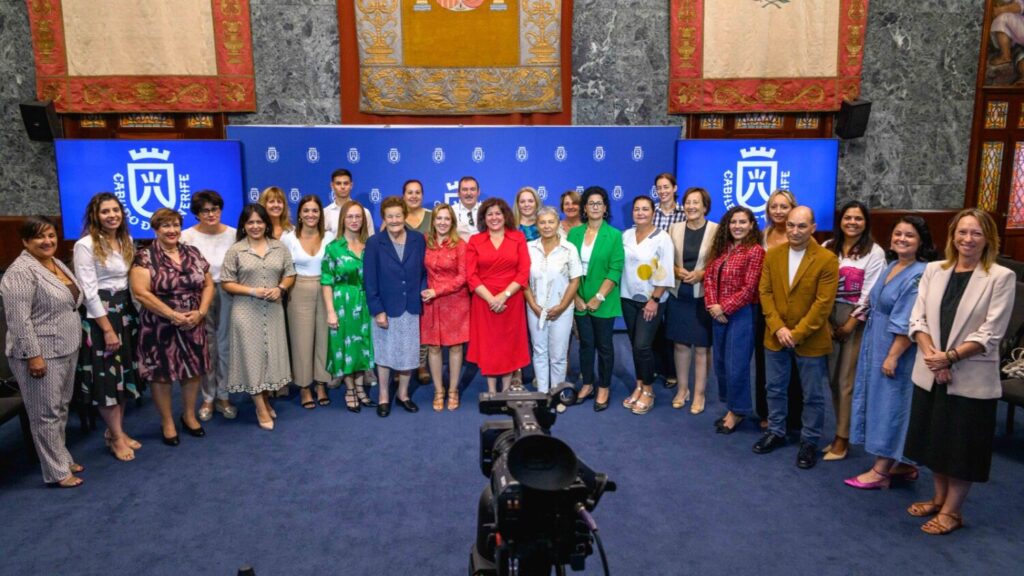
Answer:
(151, 183)
(756, 176)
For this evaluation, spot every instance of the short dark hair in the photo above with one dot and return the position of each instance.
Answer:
(464, 178)
(34, 226)
(510, 219)
(202, 198)
(596, 191)
(164, 215)
(341, 172)
(643, 198)
(926, 252)
(705, 198)
(411, 181)
(247, 213)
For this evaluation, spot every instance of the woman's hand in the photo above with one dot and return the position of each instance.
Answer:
(936, 361)
(889, 366)
(332, 320)
(650, 311)
(593, 304)
(178, 319)
(428, 294)
(36, 367)
(944, 376)
(555, 312)
(579, 304)
(535, 308)
(110, 341)
(192, 319)
(716, 312)
(840, 333)
(381, 320)
(680, 272)
(273, 294)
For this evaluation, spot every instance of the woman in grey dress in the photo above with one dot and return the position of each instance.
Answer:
(257, 271)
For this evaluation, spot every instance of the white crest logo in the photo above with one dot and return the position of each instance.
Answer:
(254, 194)
(654, 193)
(294, 195)
(478, 154)
(353, 155)
(522, 154)
(542, 191)
(756, 176)
(617, 192)
(152, 183)
(580, 189)
(272, 154)
(375, 194)
(598, 153)
(638, 153)
(438, 155)
(313, 155)
(560, 154)
(394, 156)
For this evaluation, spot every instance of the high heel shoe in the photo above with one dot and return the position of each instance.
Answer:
(194, 432)
(352, 401)
(698, 406)
(172, 441)
(365, 400)
(678, 402)
(268, 425)
(881, 484)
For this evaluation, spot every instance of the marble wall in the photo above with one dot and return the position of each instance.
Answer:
(920, 66)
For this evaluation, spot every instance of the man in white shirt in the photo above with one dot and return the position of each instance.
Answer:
(467, 206)
(341, 186)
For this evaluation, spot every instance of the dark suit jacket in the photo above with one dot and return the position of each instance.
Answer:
(393, 285)
(803, 307)
(42, 317)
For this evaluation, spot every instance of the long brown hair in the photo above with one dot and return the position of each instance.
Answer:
(92, 226)
(723, 237)
(988, 229)
(298, 215)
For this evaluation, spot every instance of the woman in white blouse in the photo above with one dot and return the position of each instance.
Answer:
(307, 317)
(106, 368)
(646, 278)
(555, 271)
(861, 262)
(213, 238)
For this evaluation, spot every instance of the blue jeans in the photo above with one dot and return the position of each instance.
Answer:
(813, 379)
(734, 345)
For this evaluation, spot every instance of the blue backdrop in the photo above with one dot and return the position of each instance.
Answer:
(745, 172)
(146, 175)
(623, 160)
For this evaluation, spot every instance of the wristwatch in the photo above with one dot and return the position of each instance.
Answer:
(508, 294)
(599, 296)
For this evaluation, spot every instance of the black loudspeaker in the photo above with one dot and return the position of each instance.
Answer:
(852, 120)
(41, 121)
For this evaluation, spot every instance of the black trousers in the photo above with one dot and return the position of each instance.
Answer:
(596, 336)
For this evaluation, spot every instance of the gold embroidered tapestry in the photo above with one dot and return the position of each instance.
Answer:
(765, 55)
(459, 57)
(143, 55)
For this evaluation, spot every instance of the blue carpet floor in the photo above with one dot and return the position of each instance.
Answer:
(329, 492)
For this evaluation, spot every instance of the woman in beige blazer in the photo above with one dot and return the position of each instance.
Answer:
(962, 311)
(44, 332)
(687, 322)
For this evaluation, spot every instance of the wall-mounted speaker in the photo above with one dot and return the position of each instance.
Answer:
(852, 120)
(41, 121)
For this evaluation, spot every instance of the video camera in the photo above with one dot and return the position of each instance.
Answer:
(534, 515)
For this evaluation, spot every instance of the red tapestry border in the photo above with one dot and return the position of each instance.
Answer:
(232, 90)
(689, 92)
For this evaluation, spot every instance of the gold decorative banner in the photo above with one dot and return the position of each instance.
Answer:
(143, 55)
(459, 57)
(765, 55)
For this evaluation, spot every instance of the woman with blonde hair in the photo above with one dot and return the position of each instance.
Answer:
(525, 211)
(107, 370)
(445, 318)
(275, 203)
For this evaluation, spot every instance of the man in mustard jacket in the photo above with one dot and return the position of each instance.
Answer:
(798, 286)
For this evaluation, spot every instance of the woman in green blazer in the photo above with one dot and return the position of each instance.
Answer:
(597, 300)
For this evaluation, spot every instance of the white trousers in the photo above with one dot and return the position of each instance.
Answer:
(218, 338)
(550, 348)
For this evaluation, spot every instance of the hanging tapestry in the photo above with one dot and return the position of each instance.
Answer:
(143, 55)
(459, 57)
(765, 55)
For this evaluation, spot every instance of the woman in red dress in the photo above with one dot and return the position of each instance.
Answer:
(445, 318)
(497, 268)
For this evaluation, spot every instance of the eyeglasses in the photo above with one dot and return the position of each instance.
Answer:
(207, 211)
(595, 204)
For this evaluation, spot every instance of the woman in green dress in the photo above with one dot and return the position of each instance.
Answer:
(349, 345)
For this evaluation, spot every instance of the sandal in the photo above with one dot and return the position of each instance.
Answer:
(363, 398)
(438, 401)
(921, 509)
(71, 481)
(935, 527)
(76, 468)
(453, 401)
(132, 442)
(630, 401)
(352, 400)
(641, 407)
(322, 397)
(122, 456)
(310, 403)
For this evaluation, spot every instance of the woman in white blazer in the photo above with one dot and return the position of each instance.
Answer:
(687, 322)
(962, 311)
(44, 332)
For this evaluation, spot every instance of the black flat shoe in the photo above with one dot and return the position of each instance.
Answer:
(723, 429)
(600, 406)
(768, 442)
(172, 441)
(383, 409)
(194, 432)
(408, 405)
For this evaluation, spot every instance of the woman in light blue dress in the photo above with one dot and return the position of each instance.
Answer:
(883, 388)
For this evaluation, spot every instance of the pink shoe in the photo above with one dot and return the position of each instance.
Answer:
(876, 485)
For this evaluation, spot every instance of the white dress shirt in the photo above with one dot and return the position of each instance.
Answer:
(94, 275)
(306, 265)
(467, 220)
(333, 210)
(648, 265)
(550, 274)
(213, 247)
